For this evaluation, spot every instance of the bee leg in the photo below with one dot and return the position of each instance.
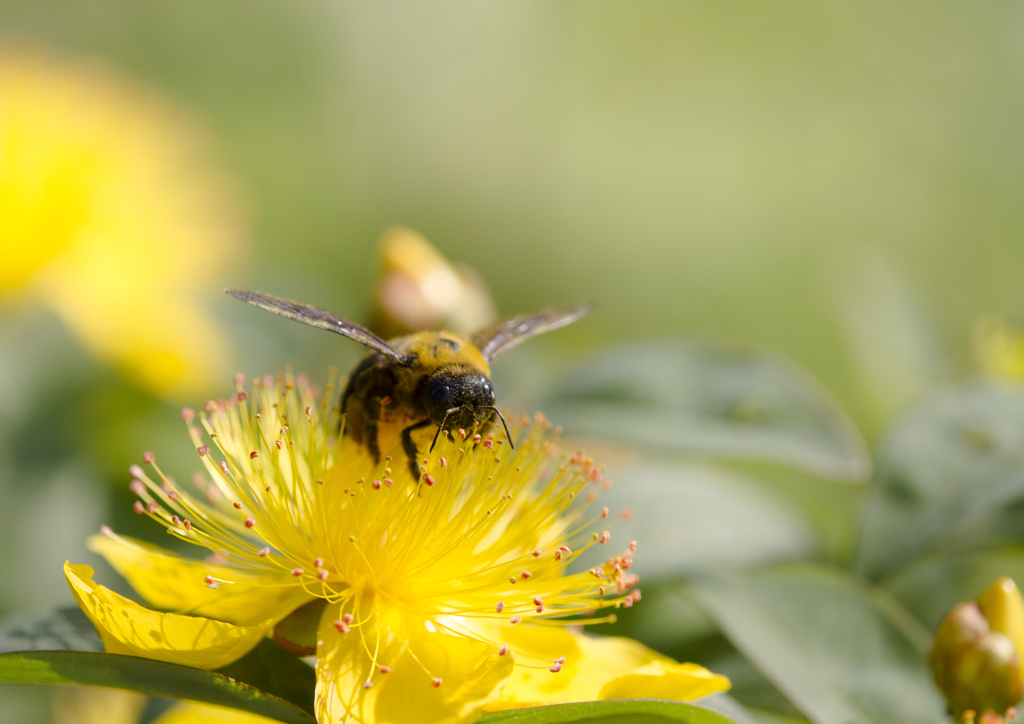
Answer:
(410, 447)
(370, 416)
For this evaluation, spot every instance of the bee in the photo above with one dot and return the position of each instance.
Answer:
(421, 379)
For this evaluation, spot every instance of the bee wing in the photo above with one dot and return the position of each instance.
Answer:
(502, 336)
(316, 317)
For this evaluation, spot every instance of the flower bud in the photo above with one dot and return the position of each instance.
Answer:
(976, 655)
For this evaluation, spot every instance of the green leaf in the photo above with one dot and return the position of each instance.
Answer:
(266, 668)
(274, 672)
(950, 477)
(702, 398)
(145, 676)
(695, 518)
(628, 711)
(842, 652)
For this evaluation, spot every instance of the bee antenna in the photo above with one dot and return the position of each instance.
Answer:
(441, 427)
(508, 436)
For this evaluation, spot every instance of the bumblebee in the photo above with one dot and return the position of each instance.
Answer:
(426, 378)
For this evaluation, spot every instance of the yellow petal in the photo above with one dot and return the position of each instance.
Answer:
(471, 672)
(595, 668)
(128, 628)
(171, 582)
(658, 680)
(192, 713)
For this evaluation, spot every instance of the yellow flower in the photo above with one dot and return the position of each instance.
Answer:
(999, 348)
(426, 601)
(419, 289)
(110, 216)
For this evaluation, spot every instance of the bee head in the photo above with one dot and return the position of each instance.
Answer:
(457, 399)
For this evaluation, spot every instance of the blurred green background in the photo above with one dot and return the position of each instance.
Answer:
(839, 183)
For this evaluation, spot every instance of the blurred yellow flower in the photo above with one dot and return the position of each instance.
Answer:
(999, 348)
(88, 705)
(423, 602)
(192, 713)
(418, 289)
(111, 216)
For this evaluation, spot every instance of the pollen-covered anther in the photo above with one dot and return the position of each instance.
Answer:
(536, 552)
(436, 683)
(477, 438)
(597, 572)
(376, 485)
(242, 395)
(202, 450)
(208, 580)
(538, 601)
(388, 482)
(250, 522)
(254, 454)
(224, 467)
(500, 607)
(148, 458)
(264, 552)
(443, 462)
(152, 507)
(367, 684)
(604, 512)
(187, 524)
(605, 537)
(309, 410)
(188, 414)
(139, 507)
(319, 482)
(348, 619)
(176, 520)
(515, 619)
(503, 650)
(318, 562)
(635, 594)
(322, 574)
(173, 494)
(627, 601)
(511, 579)
(105, 530)
(238, 506)
(279, 444)
(137, 487)
(385, 669)
(298, 571)
(632, 546)
(429, 479)
(489, 444)
(525, 574)
(555, 669)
